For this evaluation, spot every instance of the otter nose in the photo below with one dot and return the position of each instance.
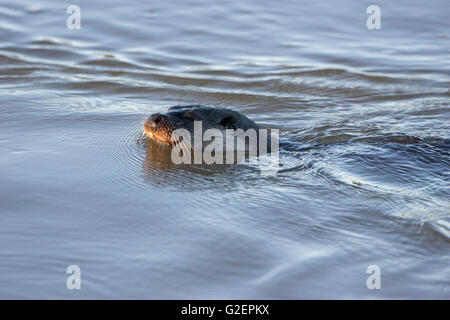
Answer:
(155, 118)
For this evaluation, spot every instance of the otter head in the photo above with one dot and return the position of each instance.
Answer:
(160, 127)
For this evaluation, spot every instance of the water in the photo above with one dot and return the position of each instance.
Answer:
(364, 113)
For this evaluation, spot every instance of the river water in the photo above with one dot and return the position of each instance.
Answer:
(366, 180)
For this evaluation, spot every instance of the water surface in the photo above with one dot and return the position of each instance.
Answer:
(365, 114)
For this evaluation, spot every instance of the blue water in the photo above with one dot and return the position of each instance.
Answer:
(364, 113)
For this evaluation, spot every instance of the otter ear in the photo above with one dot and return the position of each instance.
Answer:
(229, 122)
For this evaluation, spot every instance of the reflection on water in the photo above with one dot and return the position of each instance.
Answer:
(363, 118)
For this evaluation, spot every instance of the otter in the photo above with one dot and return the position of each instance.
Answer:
(161, 127)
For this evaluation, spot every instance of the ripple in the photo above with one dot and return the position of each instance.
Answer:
(78, 136)
(441, 228)
(109, 62)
